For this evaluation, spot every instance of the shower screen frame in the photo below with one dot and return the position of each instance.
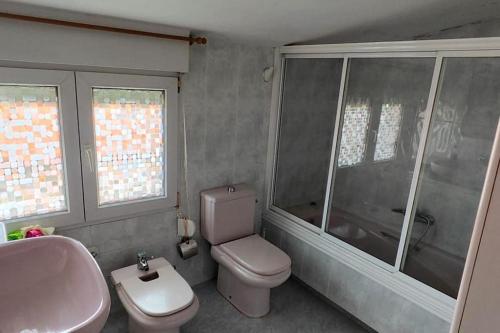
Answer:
(390, 275)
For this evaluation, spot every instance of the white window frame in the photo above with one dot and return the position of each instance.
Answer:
(85, 81)
(65, 83)
(388, 275)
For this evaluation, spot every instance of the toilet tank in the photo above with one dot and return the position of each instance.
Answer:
(227, 213)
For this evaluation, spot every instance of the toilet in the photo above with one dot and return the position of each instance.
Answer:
(249, 266)
(157, 300)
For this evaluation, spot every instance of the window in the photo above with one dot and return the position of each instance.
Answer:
(354, 134)
(128, 138)
(388, 132)
(354, 140)
(32, 176)
(122, 127)
(128, 129)
(39, 169)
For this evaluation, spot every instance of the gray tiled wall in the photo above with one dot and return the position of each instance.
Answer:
(226, 103)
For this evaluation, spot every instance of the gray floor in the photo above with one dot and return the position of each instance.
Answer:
(294, 308)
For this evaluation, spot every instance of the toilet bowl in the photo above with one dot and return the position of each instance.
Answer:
(249, 266)
(157, 301)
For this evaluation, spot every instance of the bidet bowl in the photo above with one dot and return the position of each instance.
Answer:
(51, 284)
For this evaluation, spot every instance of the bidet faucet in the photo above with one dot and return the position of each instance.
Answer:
(142, 261)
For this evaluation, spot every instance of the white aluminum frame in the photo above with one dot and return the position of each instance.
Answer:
(332, 168)
(410, 211)
(65, 83)
(388, 275)
(85, 81)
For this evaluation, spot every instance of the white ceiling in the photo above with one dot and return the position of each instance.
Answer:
(279, 22)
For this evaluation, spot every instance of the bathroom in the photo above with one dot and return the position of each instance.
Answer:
(403, 213)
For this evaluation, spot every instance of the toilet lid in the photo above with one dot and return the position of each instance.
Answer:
(257, 255)
(163, 295)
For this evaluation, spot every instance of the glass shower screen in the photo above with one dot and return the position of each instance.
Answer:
(308, 111)
(384, 153)
(461, 134)
(384, 103)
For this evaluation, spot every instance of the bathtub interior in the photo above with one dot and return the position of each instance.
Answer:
(426, 262)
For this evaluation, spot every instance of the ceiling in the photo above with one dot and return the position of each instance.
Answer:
(280, 22)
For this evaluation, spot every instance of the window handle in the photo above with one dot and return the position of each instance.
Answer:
(88, 154)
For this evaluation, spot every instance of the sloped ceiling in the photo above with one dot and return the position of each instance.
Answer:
(280, 22)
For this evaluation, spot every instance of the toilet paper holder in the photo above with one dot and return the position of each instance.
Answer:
(187, 248)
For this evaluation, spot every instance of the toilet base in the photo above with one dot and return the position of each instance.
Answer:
(251, 301)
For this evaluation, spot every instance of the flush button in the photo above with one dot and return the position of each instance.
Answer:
(231, 189)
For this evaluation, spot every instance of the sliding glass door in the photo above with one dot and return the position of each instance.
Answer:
(307, 121)
(457, 152)
(384, 102)
(385, 154)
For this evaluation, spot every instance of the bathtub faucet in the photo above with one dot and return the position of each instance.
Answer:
(420, 217)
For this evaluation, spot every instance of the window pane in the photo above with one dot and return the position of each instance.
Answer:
(367, 198)
(388, 132)
(129, 143)
(32, 179)
(307, 121)
(354, 128)
(456, 156)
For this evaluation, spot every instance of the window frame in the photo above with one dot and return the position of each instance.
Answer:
(68, 119)
(85, 81)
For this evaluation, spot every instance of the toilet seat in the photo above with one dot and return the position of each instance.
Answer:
(246, 275)
(257, 255)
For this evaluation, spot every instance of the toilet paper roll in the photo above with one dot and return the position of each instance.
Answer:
(188, 248)
(185, 227)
